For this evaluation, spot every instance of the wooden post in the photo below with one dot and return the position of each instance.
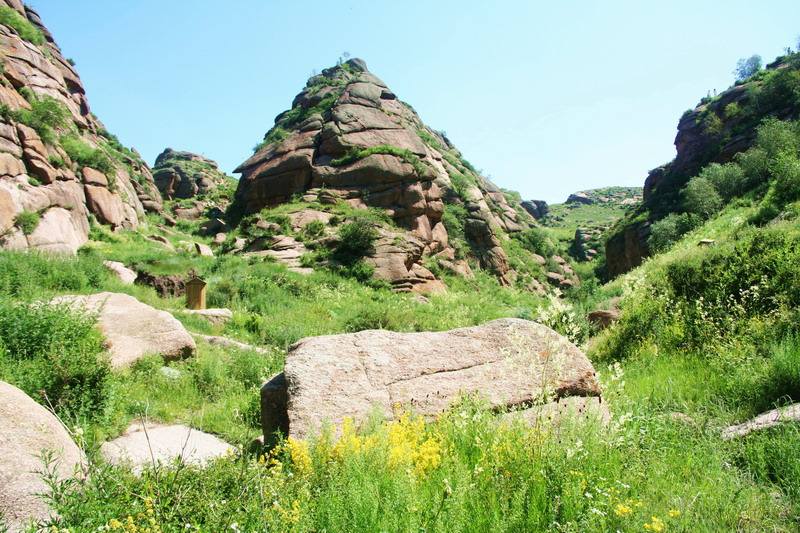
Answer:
(196, 293)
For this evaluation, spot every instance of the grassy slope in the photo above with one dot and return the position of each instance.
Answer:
(458, 474)
(564, 219)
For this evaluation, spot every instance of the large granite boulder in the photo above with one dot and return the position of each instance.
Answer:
(37, 172)
(512, 363)
(133, 329)
(27, 431)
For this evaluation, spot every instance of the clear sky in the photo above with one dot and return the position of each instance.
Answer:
(546, 97)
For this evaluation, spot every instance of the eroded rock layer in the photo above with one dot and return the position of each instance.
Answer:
(348, 138)
(58, 163)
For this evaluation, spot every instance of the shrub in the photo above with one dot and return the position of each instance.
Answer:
(777, 137)
(85, 155)
(11, 18)
(700, 197)
(535, 240)
(786, 172)
(314, 229)
(54, 355)
(667, 231)
(357, 239)
(27, 221)
(729, 179)
(45, 115)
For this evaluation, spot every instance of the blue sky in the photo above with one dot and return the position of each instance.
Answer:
(546, 97)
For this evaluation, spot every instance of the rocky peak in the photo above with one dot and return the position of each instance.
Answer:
(187, 175)
(59, 166)
(348, 139)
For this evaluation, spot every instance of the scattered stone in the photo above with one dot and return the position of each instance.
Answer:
(225, 342)
(219, 238)
(603, 318)
(146, 445)
(133, 329)
(706, 242)
(509, 361)
(160, 239)
(26, 431)
(215, 316)
(765, 420)
(169, 372)
(203, 249)
(123, 273)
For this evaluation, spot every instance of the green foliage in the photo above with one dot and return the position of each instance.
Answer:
(535, 240)
(357, 154)
(29, 275)
(85, 155)
(54, 355)
(454, 219)
(45, 115)
(665, 232)
(275, 135)
(700, 198)
(11, 18)
(356, 240)
(430, 140)
(314, 229)
(27, 221)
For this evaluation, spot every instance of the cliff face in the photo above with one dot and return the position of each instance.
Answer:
(714, 131)
(59, 166)
(348, 138)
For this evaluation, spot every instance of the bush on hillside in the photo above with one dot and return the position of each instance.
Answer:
(85, 155)
(27, 221)
(700, 198)
(356, 240)
(11, 18)
(746, 67)
(54, 354)
(667, 231)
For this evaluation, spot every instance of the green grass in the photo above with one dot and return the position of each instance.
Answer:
(461, 472)
(11, 18)
(357, 154)
(27, 221)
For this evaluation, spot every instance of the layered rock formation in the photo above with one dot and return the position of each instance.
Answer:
(58, 164)
(538, 209)
(511, 363)
(187, 175)
(349, 140)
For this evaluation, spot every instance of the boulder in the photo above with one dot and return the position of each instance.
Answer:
(512, 363)
(133, 329)
(216, 317)
(167, 286)
(26, 431)
(203, 249)
(766, 420)
(538, 209)
(580, 198)
(144, 445)
(123, 273)
(603, 318)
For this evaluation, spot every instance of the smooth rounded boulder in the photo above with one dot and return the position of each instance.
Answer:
(28, 432)
(133, 329)
(511, 363)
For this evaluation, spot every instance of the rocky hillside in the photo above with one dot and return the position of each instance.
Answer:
(715, 131)
(349, 146)
(59, 167)
(581, 222)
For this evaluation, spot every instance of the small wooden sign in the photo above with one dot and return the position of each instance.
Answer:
(195, 293)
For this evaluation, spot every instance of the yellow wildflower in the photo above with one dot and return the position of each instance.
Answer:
(622, 510)
(656, 525)
(301, 458)
(115, 524)
(674, 513)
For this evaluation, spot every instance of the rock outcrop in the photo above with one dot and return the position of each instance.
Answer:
(512, 363)
(58, 163)
(133, 329)
(27, 431)
(348, 140)
(145, 445)
(184, 175)
(775, 417)
(717, 129)
(538, 209)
